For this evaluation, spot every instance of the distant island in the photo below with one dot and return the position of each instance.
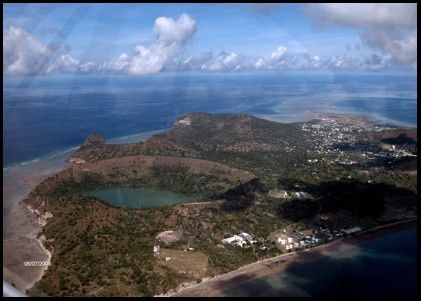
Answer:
(263, 189)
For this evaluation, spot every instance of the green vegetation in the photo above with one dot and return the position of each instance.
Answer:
(103, 250)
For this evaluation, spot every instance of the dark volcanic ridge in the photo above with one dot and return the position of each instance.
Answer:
(185, 175)
(196, 134)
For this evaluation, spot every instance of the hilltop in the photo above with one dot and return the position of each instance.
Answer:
(198, 133)
(234, 139)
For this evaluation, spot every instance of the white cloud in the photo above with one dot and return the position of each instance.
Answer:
(280, 52)
(116, 64)
(234, 62)
(339, 62)
(259, 63)
(388, 27)
(216, 62)
(386, 33)
(169, 31)
(193, 62)
(24, 55)
(364, 15)
(20, 51)
(403, 51)
(282, 58)
(170, 39)
(376, 62)
(223, 62)
(371, 62)
(87, 67)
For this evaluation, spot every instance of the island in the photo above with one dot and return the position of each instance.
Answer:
(255, 190)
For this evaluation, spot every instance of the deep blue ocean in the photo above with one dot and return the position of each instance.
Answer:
(47, 114)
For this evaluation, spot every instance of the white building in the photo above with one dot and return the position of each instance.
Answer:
(156, 249)
(301, 194)
(311, 240)
(246, 235)
(235, 240)
(282, 241)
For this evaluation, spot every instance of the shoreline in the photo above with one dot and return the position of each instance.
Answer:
(131, 138)
(21, 225)
(373, 119)
(42, 221)
(23, 244)
(274, 265)
(142, 136)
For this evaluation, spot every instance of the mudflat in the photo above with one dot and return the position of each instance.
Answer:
(20, 227)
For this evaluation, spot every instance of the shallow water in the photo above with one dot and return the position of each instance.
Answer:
(19, 229)
(140, 198)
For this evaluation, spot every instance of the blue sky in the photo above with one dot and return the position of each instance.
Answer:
(229, 27)
(102, 32)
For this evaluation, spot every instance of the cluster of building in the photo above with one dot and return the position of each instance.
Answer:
(329, 134)
(241, 240)
(283, 194)
(289, 241)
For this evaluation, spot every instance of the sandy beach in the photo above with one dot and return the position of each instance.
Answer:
(215, 287)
